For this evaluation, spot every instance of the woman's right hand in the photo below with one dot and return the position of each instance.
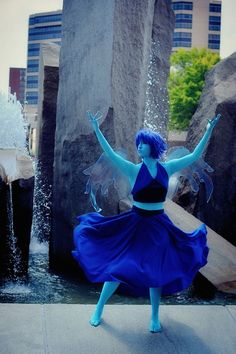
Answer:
(94, 119)
(212, 122)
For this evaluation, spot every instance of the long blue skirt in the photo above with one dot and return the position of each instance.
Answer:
(140, 250)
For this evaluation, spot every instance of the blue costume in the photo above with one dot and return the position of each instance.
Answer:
(140, 248)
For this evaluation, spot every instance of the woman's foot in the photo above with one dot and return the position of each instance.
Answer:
(95, 319)
(155, 326)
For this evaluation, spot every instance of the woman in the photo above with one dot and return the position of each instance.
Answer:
(142, 248)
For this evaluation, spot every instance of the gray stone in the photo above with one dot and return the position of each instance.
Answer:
(219, 96)
(176, 138)
(157, 104)
(46, 126)
(105, 54)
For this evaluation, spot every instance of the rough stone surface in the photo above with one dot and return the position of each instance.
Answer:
(219, 96)
(176, 138)
(106, 48)
(48, 88)
(157, 104)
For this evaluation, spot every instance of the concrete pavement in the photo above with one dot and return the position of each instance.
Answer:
(64, 329)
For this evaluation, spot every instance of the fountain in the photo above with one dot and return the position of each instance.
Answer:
(125, 82)
(16, 185)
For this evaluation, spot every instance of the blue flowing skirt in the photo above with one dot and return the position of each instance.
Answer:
(139, 249)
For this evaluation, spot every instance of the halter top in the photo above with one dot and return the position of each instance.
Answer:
(148, 189)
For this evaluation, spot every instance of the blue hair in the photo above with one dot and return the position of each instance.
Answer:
(154, 140)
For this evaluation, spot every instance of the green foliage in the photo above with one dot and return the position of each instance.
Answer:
(186, 81)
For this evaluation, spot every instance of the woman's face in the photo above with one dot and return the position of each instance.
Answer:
(144, 150)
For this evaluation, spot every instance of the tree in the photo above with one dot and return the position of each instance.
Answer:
(186, 81)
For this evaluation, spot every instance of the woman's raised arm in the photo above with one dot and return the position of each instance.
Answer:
(175, 165)
(127, 167)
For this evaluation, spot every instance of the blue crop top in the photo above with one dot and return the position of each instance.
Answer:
(148, 189)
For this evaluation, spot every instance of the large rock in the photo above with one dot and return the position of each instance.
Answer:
(47, 106)
(105, 56)
(157, 104)
(219, 96)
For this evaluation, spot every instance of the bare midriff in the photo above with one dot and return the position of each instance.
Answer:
(149, 206)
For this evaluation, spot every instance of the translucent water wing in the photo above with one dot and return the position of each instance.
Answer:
(102, 174)
(176, 152)
(174, 184)
(194, 173)
(204, 177)
(193, 182)
(122, 185)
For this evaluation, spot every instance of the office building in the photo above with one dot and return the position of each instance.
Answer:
(17, 83)
(197, 24)
(43, 28)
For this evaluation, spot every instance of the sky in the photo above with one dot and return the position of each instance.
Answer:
(14, 15)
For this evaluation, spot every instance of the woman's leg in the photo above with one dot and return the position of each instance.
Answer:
(108, 289)
(155, 297)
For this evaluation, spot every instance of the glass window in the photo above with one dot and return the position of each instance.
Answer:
(32, 85)
(183, 21)
(32, 65)
(47, 32)
(214, 45)
(34, 37)
(33, 45)
(33, 61)
(182, 5)
(215, 37)
(182, 39)
(32, 97)
(187, 35)
(33, 49)
(45, 29)
(32, 70)
(183, 25)
(184, 16)
(214, 41)
(214, 23)
(215, 7)
(32, 100)
(32, 93)
(181, 44)
(33, 53)
(46, 18)
(32, 82)
(32, 78)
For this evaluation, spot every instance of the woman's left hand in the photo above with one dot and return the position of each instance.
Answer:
(212, 122)
(94, 119)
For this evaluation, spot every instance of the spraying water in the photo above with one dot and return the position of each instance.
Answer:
(156, 109)
(13, 125)
(15, 163)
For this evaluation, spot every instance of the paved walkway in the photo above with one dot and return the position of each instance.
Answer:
(64, 329)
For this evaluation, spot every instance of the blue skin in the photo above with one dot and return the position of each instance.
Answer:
(131, 170)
